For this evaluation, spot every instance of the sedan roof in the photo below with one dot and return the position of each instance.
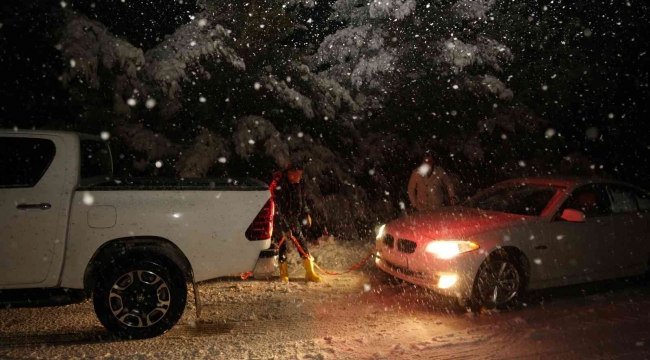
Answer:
(558, 181)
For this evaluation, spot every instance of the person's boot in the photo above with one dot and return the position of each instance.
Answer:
(284, 271)
(310, 275)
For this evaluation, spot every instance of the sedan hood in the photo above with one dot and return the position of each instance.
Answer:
(451, 223)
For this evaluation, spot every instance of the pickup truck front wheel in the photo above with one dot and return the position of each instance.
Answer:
(136, 299)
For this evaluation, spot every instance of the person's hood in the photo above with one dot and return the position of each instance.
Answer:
(450, 223)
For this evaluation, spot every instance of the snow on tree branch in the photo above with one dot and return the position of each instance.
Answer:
(391, 9)
(154, 145)
(179, 56)
(290, 97)
(473, 9)
(497, 87)
(87, 44)
(355, 55)
(206, 151)
(486, 52)
(330, 97)
(253, 131)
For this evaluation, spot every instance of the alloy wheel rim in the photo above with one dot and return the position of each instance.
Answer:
(498, 282)
(139, 298)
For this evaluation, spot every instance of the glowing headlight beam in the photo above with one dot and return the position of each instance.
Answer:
(447, 249)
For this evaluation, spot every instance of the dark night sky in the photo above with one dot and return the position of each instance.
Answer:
(615, 82)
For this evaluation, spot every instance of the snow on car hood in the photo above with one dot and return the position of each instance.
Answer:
(450, 223)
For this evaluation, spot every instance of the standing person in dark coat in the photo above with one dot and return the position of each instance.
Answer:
(291, 215)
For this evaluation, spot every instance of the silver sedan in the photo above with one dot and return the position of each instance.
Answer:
(521, 234)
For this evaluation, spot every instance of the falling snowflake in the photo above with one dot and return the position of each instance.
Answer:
(587, 32)
(591, 133)
(251, 141)
(88, 198)
(402, 205)
(202, 99)
(538, 261)
(158, 164)
(455, 87)
(193, 43)
(522, 163)
(257, 86)
(63, 4)
(151, 103)
(550, 132)
(544, 87)
(203, 22)
(73, 63)
(131, 102)
(222, 160)
(611, 115)
(371, 172)
(366, 287)
(300, 134)
(424, 169)
(105, 135)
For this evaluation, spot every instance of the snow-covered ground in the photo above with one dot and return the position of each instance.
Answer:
(362, 315)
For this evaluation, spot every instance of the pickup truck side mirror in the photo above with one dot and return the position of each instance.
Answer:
(573, 215)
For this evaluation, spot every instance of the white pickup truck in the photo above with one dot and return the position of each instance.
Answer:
(70, 230)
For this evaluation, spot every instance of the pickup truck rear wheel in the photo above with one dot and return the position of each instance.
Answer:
(136, 299)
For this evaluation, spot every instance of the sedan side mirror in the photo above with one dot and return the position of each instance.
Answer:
(573, 215)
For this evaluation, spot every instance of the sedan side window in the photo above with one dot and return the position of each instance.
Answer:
(623, 199)
(592, 200)
(643, 200)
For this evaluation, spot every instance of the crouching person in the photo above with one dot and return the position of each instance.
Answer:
(291, 215)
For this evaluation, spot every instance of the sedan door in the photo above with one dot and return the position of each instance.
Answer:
(631, 228)
(585, 249)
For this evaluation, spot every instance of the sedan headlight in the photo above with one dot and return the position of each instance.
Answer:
(447, 249)
(380, 231)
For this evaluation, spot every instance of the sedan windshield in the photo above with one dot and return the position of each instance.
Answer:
(526, 200)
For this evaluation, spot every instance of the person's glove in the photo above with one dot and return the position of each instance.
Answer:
(307, 221)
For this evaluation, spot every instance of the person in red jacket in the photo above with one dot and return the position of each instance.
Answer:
(291, 215)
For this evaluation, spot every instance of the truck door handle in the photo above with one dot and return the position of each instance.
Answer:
(541, 247)
(41, 206)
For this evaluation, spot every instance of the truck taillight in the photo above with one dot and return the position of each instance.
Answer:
(262, 227)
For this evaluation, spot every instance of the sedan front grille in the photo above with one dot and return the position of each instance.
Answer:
(406, 246)
(389, 240)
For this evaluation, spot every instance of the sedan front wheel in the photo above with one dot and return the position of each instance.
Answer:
(499, 283)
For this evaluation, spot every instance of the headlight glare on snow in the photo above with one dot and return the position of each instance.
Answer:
(447, 249)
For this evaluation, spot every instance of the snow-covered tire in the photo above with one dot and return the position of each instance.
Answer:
(499, 284)
(140, 296)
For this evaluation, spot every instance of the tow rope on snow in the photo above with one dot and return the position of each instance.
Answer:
(247, 274)
(327, 272)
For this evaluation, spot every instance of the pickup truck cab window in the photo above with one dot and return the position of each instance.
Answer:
(24, 160)
(96, 160)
